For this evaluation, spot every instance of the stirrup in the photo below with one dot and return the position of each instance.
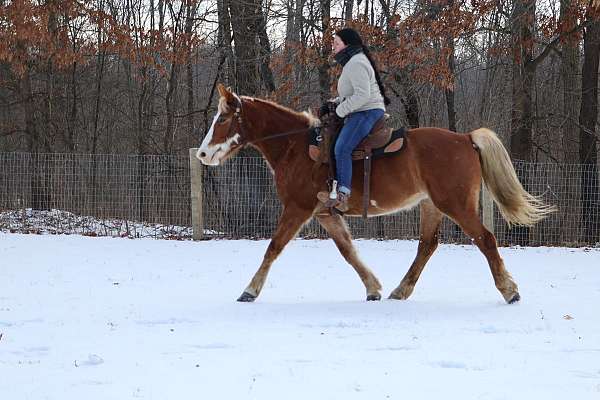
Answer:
(340, 202)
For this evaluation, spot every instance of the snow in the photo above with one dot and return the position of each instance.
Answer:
(108, 318)
(64, 222)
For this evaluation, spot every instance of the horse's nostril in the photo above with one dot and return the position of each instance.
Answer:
(202, 154)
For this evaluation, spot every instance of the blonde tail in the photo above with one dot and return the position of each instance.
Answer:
(516, 205)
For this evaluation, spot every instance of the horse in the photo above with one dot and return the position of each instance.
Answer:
(437, 169)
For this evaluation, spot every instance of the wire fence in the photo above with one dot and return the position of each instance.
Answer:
(104, 195)
(149, 196)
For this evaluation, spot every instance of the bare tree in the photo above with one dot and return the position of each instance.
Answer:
(224, 39)
(190, 15)
(569, 71)
(324, 81)
(523, 71)
(348, 9)
(588, 135)
(245, 21)
(265, 52)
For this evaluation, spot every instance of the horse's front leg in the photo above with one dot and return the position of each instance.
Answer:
(339, 232)
(290, 222)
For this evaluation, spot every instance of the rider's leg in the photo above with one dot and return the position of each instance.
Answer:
(356, 127)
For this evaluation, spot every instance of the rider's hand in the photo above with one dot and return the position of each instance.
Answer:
(327, 107)
(324, 110)
(333, 120)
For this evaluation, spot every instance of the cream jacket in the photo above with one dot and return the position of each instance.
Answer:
(357, 87)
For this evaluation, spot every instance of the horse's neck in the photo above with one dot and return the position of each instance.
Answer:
(273, 150)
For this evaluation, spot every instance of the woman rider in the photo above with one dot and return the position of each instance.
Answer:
(361, 102)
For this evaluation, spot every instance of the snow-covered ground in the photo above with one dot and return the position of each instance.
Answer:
(102, 318)
(64, 222)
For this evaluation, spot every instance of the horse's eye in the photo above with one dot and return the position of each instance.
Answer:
(221, 119)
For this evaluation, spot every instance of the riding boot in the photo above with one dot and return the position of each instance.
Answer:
(340, 203)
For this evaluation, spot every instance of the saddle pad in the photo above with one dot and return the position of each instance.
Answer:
(395, 144)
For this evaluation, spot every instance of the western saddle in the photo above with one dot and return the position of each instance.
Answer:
(382, 140)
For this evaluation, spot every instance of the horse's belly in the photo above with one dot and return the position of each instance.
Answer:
(388, 205)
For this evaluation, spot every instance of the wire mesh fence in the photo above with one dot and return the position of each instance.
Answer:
(108, 195)
(574, 189)
(149, 196)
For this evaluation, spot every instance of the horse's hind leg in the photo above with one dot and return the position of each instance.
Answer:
(290, 222)
(431, 218)
(486, 241)
(338, 230)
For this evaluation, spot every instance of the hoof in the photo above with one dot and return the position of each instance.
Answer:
(514, 299)
(374, 297)
(401, 293)
(246, 298)
(396, 296)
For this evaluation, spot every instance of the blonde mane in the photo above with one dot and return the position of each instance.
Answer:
(308, 116)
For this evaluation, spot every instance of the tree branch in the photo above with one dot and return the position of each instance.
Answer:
(552, 46)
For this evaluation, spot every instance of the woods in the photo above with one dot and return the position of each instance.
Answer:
(139, 77)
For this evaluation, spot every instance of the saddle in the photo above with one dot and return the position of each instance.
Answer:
(382, 140)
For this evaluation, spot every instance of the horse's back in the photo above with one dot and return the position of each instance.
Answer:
(441, 149)
(431, 139)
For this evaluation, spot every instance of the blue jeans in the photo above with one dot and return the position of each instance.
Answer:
(356, 127)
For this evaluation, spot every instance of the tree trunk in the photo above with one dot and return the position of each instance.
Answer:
(226, 74)
(324, 82)
(72, 118)
(289, 25)
(27, 100)
(265, 53)
(100, 61)
(245, 24)
(48, 110)
(569, 67)
(450, 104)
(523, 69)
(173, 84)
(410, 101)
(39, 194)
(588, 136)
(298, 37)
(521, 141)
(189, 66)
(348, 9)
(491, 71)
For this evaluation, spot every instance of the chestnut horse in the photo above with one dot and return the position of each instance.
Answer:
(438, 169)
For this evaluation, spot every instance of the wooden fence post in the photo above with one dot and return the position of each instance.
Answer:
(487, 208)
(196, 195)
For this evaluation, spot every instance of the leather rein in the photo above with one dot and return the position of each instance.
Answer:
(238, 116)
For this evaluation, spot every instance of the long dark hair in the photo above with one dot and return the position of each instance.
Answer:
(350, 37)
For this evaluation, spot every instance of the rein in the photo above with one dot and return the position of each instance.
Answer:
(278, 135)
(238, 116)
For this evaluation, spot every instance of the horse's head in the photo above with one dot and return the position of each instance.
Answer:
(224, 137)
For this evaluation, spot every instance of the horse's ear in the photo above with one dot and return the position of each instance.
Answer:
(225, 93)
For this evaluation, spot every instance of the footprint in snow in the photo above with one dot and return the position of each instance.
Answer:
(91, 360)
(451, 364)
(212, 346)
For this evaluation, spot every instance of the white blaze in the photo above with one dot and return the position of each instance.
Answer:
(204, 146)
(211, 154)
